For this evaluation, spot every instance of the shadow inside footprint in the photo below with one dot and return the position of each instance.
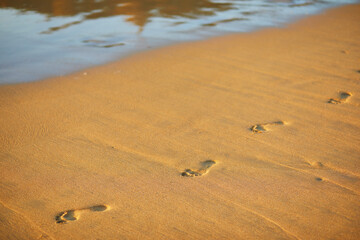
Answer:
(259, 128)
(205, 166)
(66, 216)
(98, 208)
(343, 97)
(72, 215)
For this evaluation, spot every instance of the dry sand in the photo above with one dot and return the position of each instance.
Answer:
(249, 136)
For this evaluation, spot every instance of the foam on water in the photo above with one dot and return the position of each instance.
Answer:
(40, 39)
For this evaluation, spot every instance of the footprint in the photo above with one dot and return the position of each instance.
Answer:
(206, 165)
(343, 97)
(259, 128)
(74, 214)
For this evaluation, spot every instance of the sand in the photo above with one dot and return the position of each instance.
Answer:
(248, 136)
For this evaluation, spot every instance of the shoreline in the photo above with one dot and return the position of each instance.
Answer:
(108, 58)
(245, 136)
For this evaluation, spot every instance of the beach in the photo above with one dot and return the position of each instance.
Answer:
(244, 136)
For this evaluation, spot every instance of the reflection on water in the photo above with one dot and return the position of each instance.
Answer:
(41, 38)
(139, 12)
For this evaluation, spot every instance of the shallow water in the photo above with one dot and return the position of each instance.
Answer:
(40, 39)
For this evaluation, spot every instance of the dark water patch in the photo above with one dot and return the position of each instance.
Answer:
(223, 21)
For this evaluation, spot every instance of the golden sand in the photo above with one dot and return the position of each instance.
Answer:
(236, 137)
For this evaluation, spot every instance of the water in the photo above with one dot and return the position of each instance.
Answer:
(44, 38)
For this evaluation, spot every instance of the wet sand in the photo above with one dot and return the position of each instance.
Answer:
(248, 136)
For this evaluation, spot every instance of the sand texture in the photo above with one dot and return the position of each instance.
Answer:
(248, 136)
